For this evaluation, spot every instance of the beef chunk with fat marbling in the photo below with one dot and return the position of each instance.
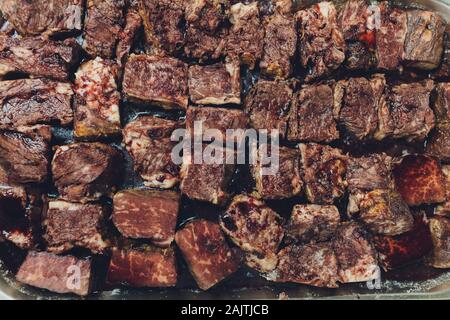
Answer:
(55, 273)
(440, 234)
(133, 23)
(43, 16)
(147, 214)
(312, 116)
(68, 225)
(96, 100)
(156, 80)
(26, 102)
(256, 229)
(86, 171)
(438, 143)
(37, 57)
(207, 254)
(147, 140)
(442, 102)
(215, 84)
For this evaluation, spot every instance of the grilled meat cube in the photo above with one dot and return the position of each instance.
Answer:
(357, 101)
(285, 181)
(246, 38)
(163, 25)
(390, 37)
(102, 27)
(438, 143)
(86, 171)
(312, 117)
(215, 84)
(311, 222)
(420, 180)
(68, 225)
(37, 57)
(33, 101)
(25, 153)
(407, 113)
(324, 170)
(158, 80)
(443, 71)
(356, 256)
(268, 104)
(353, 19)
(424, 43)
(147, 139)
(322, 46)
(56, 273)
(132, 24)
(359, 57)
(442, 103)
(369, 172)
(256, 229)
(440, 233)
(208, 256)
(145, 266)
(96, 100)
(149, 214)
(444, 209)
(43, 16)
(311, 264)
(203, 46)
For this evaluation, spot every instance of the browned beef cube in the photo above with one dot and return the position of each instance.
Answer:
(442, 103)
(37, 57)
(324, 170)
(48, 17)
(438, 143)
(369, 172)
(312, 117)
(206, 252)
(424, 43)
(86, 171)
(25, 153)
(443, 71)
(61, 274)
(322, 46)
(246, 38)
(420, 180)
(144, 266)
(311, 222)
(407, 113)
(256, 229)
(34, 101)
(357, 103)
(356, 256)
(147, 139)
(163, 24)
(149, 214)
(268, 104)
(311, 264)
(102, 26)
(440, 233)
(279, 180)
(353, 19)
(444, 209)
(96, 100)
(132, 24)
(359, 56)
(390, 37)
(69, 225)
(158, 80)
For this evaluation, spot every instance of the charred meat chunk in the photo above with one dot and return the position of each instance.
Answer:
(440, 233)
(324, 171)
(158, 80)
(442, 102)
(144, 266)
(133, 23)
(215, 84)
(424, 43)
(312, 117)
(55, 273)
(359, 56)
(25, 102)
(256, 229)
(356, 256)
(268, 104)
(420, 180)
(102, 26)
(86, 171)
(311, 222)
(321, 43)
(444, 209)
(37, 57)
(68, 225)
(43, 16)
(147, 140)
(208, 256)
(438, 143)
(147, 214)
(407, 113)
(279, 180)
(96, 100)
